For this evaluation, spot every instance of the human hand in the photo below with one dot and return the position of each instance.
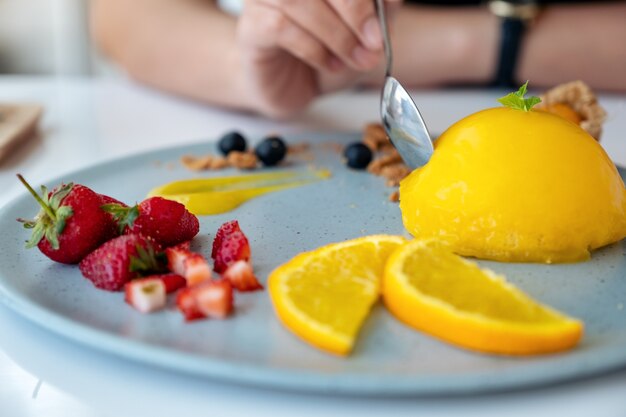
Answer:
(287, 46)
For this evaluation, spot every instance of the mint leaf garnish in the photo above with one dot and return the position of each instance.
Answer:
(517, 101)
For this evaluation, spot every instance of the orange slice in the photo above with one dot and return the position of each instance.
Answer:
(323, 296)
(433, 290)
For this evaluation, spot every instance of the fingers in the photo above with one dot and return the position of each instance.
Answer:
(304, 27)
(267, 27)
(323, 22)
(360, 16)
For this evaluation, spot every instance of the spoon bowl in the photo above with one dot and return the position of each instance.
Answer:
(401, 119)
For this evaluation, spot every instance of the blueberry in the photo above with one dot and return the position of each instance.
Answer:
(271, 150)
(232, 141)
(358, 156)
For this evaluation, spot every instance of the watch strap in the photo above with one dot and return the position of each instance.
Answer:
(515, 17)
(512, 31)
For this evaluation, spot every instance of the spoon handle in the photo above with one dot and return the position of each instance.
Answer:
(382, 16)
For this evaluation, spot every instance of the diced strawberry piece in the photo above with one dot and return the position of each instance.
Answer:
(197, 269)
(235, 247)
(146, 295)
(186, 303)
(176, 259)
(188, 264)
(172, 282)
(224, 231)
(241, 276)
(215, 298)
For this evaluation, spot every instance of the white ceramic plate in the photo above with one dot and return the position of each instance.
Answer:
(252, 347)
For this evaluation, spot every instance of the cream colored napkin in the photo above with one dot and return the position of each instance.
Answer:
(18, 123)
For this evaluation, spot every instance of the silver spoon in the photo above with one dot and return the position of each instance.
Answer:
(401, 118)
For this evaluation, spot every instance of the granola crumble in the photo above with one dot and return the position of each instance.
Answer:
(375, 137)
(394, 197)
(242, 160)
(578, 96)
(201, 163)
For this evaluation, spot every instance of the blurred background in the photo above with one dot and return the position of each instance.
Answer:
(52, 37)
(46, 37)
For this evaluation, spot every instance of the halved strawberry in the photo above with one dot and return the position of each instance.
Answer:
(120, 260)
(188, 264)
(241, 275)
(146, 294)
(235, 247)
(225, 230)
(213, 299)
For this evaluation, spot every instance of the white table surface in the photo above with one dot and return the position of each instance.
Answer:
(87, 121)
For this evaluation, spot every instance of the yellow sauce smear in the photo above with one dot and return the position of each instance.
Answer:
(206, 196)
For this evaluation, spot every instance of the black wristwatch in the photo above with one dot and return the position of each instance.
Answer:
(515, 17)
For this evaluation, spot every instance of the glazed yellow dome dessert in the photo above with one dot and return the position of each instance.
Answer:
(517, 184)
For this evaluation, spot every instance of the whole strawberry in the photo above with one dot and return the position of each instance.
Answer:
(71, 222)
(120, 260)
(167, 222)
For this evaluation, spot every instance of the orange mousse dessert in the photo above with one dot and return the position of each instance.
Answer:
(519, 185)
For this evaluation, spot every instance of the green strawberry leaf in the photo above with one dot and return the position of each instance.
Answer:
(52, 237)
(58, 195)
(39, 229)
(147, 261)
(52, 217)
(517, 101)
(63, 213)
(123, 216)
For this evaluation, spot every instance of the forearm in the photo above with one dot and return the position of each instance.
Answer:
(183, 46)
(436, 46)
(583, 42)
(447, 46)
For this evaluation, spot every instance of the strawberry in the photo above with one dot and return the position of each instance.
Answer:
(172, 282)
(105, 200)
(215, 298)
(225, 230)
(186, 303)
(241, 275)
(234, 247)
(166, 221)
(146, 295)
(190, 265)
(120, 260)
(71, 223)
(212, 299)
(184, 246)
(110, 200)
